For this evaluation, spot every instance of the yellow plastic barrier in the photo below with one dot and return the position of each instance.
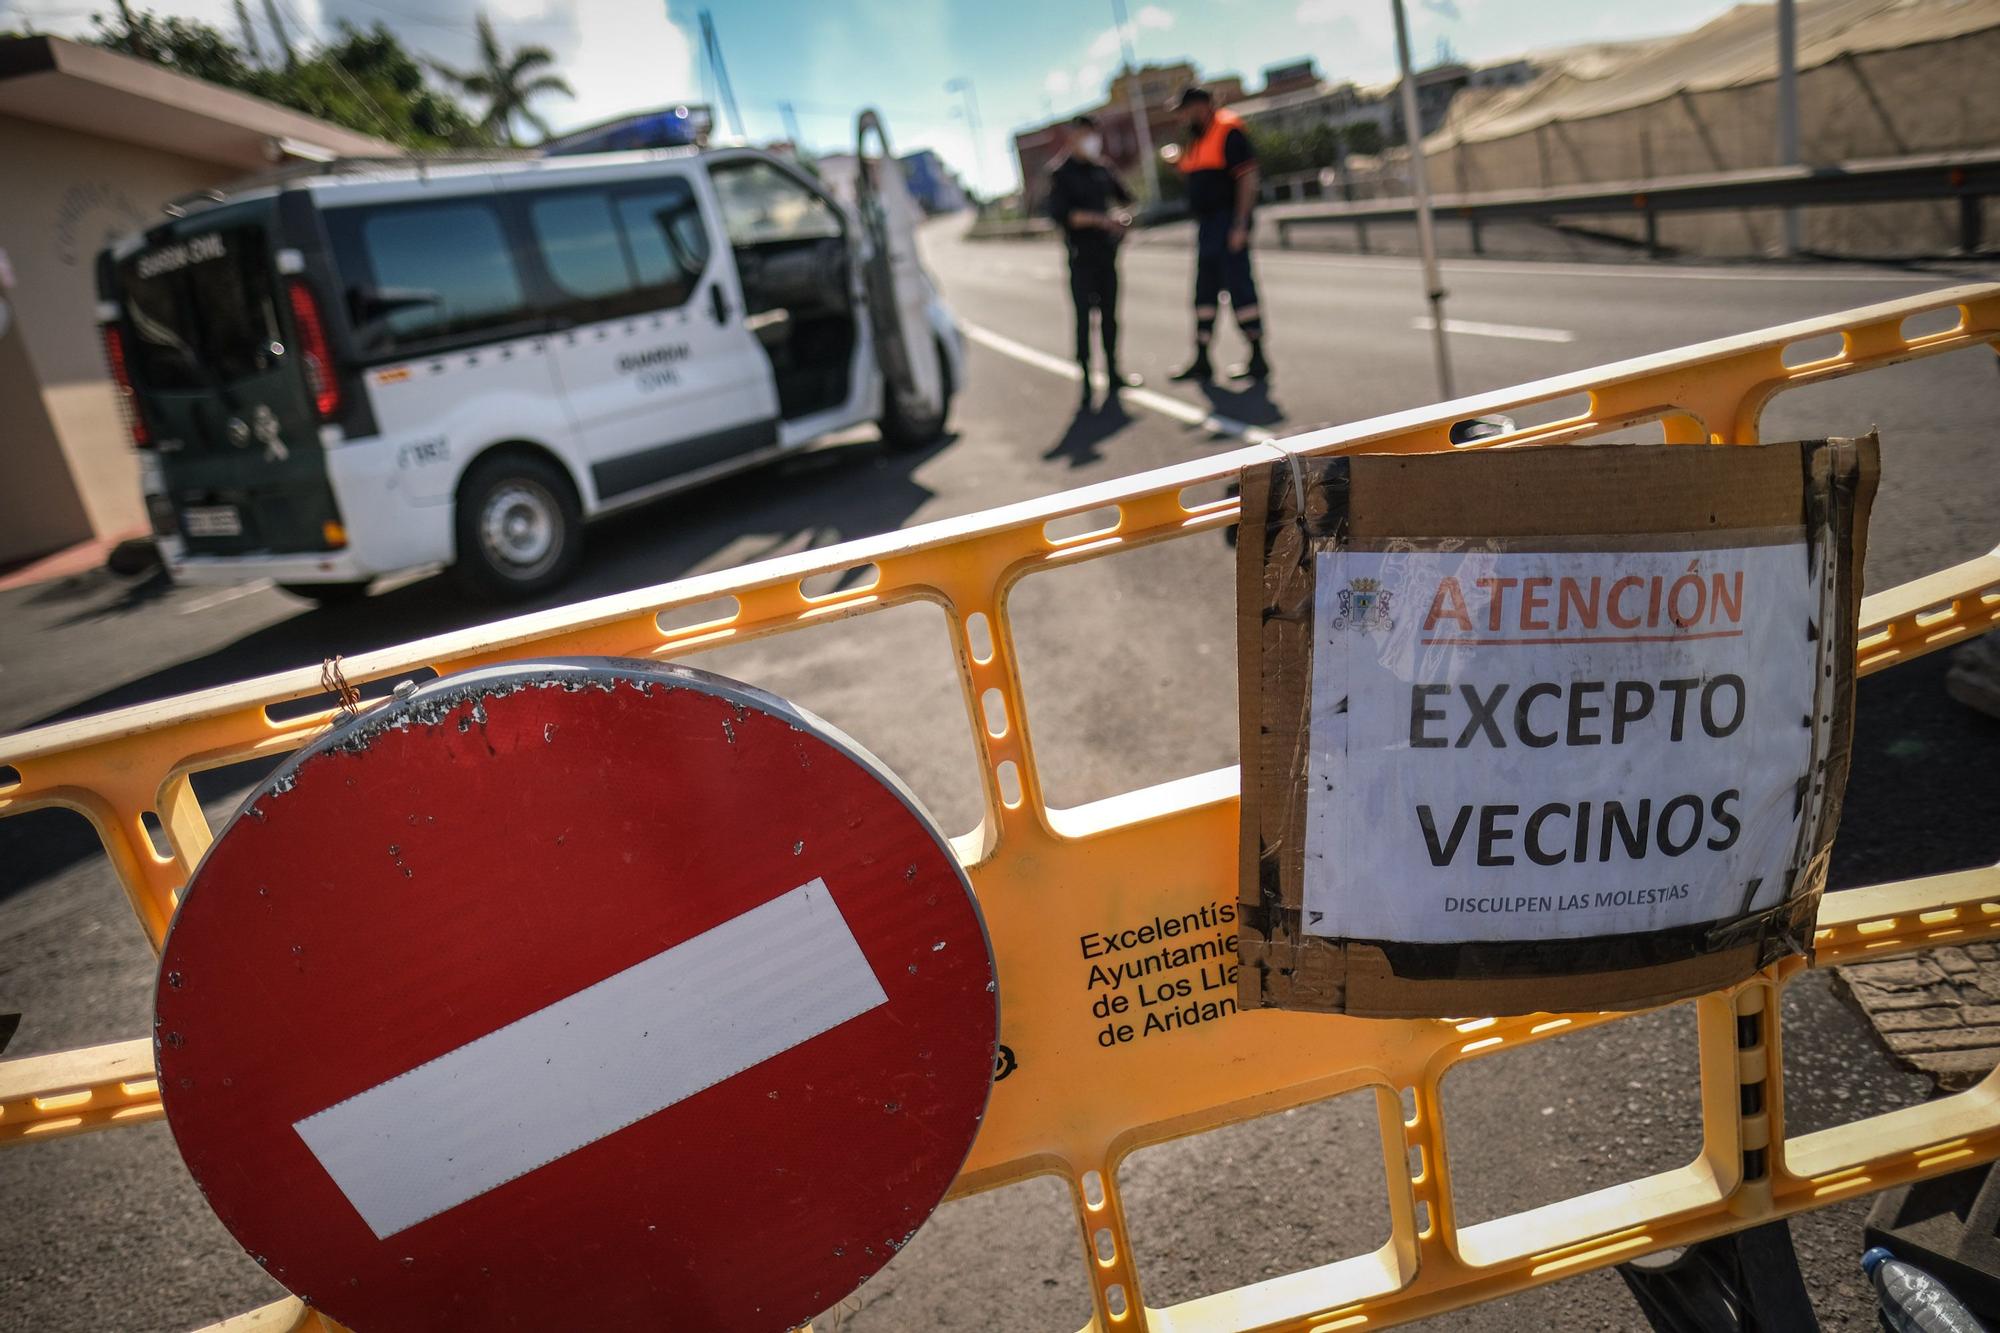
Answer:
(1167, 853)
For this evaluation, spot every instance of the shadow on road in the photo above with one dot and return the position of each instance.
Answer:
(813, 499)
(818, 498)
(136, 596)
(1914, 803)
(1248, 401)
(1089, 428)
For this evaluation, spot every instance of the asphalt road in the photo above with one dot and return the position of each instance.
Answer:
(1129, 670)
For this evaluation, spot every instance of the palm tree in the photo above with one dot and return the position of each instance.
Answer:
(507, 81)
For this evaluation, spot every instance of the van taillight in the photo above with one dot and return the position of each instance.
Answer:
(325, 385)
(121, 381)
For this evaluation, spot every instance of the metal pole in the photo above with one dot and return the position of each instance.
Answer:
(1135, 98)
(1788, 110)
(963, 87)
(1420, 186)
(713, 47)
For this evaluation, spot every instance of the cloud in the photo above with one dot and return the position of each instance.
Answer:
(639, 59)
(1319, 13)
(629, 55)
(1105, 45)
(1146, 18)
(1107, 51)
(302, 18)
(1446, 9)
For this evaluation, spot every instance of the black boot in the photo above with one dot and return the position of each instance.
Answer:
(1197, 369)
(1120, 380)
(1256, 368)
(1085, 401)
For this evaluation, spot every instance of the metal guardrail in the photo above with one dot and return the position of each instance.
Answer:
(1967, 177)
(1049, 877)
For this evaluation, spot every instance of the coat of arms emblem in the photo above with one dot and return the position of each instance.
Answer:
(1364, 605)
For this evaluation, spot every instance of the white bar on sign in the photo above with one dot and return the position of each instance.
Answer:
(588, 1065)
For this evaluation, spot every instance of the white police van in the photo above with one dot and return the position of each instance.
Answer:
(375, 368)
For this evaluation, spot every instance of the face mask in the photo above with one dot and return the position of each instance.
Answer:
(1091, 145)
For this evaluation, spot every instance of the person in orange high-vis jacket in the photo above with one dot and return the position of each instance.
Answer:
(1219, 168)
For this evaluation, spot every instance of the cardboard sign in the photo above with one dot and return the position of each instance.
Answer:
(1542, 729)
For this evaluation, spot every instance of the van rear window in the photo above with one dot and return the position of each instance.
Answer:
(203, 310)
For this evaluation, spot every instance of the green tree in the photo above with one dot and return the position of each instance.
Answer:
(369, 81)
(186, 46)
(366, 80)
(1284, 151)
(507, 82)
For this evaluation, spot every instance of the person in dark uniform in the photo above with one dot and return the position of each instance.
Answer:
(1219, 168)
(1088, 202)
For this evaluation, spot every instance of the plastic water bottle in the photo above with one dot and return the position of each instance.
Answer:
(1912, 1300)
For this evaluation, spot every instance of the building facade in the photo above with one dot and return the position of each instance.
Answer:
(1157, 87)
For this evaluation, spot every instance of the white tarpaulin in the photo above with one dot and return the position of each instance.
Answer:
(1734, 49)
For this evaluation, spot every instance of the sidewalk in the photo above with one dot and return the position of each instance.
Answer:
(1938, 1012)
(77, 559)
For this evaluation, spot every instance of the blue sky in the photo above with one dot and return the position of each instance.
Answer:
(1026, 59)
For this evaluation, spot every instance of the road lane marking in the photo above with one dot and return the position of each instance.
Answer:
(224, 597)
(594, 1062)
(1165, 404)
(1474, 328)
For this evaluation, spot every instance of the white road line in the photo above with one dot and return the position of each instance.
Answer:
(224, 597)
(392, 582)
(639, 1041)
(1165, 404)
(1472, 327)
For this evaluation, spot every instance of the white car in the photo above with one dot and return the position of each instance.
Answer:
(378, 367)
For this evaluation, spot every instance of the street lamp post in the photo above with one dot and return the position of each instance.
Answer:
(1420, 186)
(963, 87)
(1135, 98)
(1788, 110)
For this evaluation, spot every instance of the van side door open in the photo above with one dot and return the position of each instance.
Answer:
(793, 258)
(646, 317)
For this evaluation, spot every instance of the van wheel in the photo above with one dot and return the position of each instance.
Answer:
(900, 431)
(327, 594)
(520, 528)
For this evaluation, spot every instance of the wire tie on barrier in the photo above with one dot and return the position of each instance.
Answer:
(1298, 482)
(334, 681)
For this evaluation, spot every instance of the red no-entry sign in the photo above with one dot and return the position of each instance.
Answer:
(579, 995)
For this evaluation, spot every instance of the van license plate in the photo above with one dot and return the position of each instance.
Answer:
(212, 521)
